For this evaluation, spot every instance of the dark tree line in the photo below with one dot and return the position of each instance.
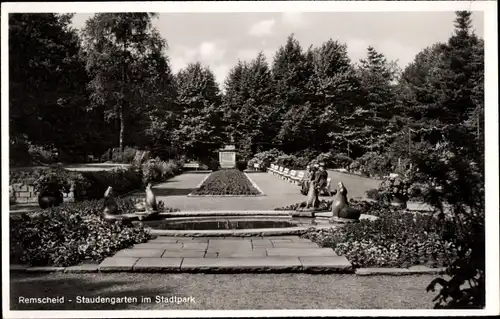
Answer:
(111, 85)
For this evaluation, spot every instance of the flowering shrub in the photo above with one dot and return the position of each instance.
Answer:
(331, 160)
(227, 182)
(394, 187)
(156, 170)
(264, 159)
(398, 239)
(291, 161)
(70, 234)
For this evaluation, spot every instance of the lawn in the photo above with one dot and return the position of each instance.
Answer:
(226, 291)
(227, 182)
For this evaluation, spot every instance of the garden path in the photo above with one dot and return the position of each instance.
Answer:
(278, 193)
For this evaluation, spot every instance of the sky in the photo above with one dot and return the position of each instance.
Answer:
(219, 40)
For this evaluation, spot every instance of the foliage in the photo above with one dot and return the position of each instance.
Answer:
(200, 130)
(332, 160)
(265, 159)
(156, 170)
(248, 105)
(128, 73)
(397, 239)
(373, 194)
(373, 165)
(449, 162)
(226, 182)
(323, 206)
(120, 179)
(45, 61)
(70, 234)
(394, 188)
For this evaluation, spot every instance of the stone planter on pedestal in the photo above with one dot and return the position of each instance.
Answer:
(399, 202)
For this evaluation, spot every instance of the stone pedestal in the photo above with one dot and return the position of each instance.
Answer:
(227, 157)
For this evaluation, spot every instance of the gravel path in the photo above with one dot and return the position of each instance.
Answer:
(225, 292)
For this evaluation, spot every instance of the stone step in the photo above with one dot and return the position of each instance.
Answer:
(329, 264)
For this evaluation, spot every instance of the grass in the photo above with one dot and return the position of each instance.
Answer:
(226, 291)
(226, 182)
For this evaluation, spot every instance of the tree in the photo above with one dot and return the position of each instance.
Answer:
(336, 92)
(47, 97)
(291, 72)
(117, 50)
(233, 100)
(378, 84)
(200, 131)
(249, 100)
(451, 154)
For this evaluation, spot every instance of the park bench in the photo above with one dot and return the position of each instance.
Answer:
(285, 173)
(280, 170)
(297, 178)
(272, 169)
(291, 175)
(194, 166)
(256, 166)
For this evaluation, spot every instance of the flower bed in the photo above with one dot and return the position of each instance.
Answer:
(227, 182)
(70, 234)
(397, 239)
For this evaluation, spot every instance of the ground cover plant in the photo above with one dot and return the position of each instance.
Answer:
(71, 233)
(398, 239)
(226, 182)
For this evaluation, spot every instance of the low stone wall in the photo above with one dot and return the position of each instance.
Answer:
(24, 193)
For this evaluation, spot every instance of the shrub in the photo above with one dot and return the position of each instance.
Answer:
(372, 164)
(323, 206)
(122, 180)
(227, 182)
(331, 160)
(265, 159)
(398, 239)
(373, 194)
(128, 155)
(156, 170)
(290, 161)
(241, 165)
(70, 234)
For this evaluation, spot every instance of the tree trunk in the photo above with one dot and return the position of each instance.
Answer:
(122, 130)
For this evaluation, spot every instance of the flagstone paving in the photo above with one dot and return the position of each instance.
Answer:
(230, 254)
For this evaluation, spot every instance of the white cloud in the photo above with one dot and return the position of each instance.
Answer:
(210, 52)
(250, 54)
(262, 28)
(295, 19)
(357, 49)
(220, 72)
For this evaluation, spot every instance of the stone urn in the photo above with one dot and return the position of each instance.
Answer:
(50, 198)
(341, 211)
(399, 201)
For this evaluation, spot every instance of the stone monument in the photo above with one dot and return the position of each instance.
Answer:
(227, 156)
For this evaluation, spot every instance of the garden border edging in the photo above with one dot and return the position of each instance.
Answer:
(94, 268)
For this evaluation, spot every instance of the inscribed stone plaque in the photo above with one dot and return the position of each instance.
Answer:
(227, 159)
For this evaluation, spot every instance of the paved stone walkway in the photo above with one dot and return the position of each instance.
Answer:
(230, 254)
(278, 193)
